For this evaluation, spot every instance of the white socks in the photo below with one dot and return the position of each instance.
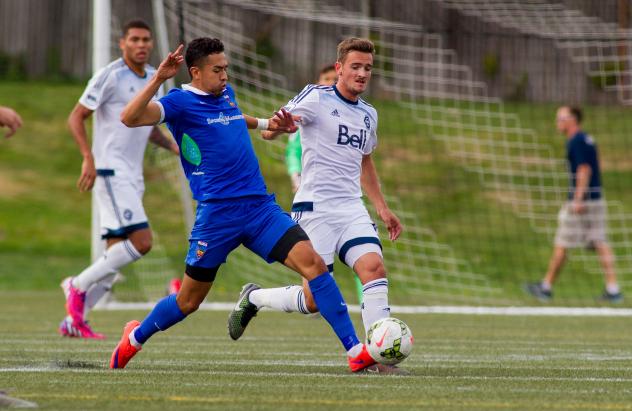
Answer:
(375, 302)
(292, 299)
(613, 288)
(355, 350)
(289, 299)
(132, 339)
(115, 257)
(96, 291)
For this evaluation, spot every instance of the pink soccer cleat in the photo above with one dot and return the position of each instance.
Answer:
(66, 328)
(75, 303)
(361, 361)
(124, 351)
(85, 331)
(69, 328)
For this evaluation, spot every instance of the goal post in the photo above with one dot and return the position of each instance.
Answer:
(101, 34)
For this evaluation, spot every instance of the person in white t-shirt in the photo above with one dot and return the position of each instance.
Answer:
(114, 168)
(338, 136)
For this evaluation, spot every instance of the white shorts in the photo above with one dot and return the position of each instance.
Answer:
(120, 204)
(350, 233)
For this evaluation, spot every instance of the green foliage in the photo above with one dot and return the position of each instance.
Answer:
(265, 47)
(521, 86)
(491, 65)
(608, 73)
(12, 67)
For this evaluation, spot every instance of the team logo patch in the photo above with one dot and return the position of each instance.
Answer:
(201, 249)
(128, 214)
(367, 122)
(228, 101)
(224, 119)
(190, 150)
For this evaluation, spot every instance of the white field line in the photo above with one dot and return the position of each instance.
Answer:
(266, 374)
(431, 309)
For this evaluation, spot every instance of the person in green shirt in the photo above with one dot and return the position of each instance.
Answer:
(293, 151)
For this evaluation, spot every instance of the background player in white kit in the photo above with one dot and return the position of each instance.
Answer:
(338, 135)
(114, 166)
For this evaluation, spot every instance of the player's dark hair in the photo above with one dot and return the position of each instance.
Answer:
(135, 24)
(326, 69)
(346, 46)
(577, 113)
(201, 47)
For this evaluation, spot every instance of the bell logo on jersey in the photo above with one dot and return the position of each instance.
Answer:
(353, 140)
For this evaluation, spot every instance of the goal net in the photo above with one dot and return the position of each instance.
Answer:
(468, 154)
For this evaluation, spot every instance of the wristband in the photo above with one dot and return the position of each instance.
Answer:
(263, 123)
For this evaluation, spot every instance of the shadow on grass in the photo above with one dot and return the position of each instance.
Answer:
(74, 364)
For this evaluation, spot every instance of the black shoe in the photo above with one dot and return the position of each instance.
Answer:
(606, 297)
(243, 312)
(536, 290)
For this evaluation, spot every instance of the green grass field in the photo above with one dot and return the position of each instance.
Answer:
(287, 362)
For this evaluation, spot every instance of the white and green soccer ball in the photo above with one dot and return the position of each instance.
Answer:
(389, 341)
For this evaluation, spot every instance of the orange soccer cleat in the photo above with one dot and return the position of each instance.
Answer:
(361, 361)
(124, 351)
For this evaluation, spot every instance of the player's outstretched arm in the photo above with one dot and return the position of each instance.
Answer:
(9, 118)
(371, 186)
(281, 122)
(141, 111)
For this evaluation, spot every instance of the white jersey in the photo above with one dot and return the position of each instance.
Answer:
(115, 146)
(335, 134)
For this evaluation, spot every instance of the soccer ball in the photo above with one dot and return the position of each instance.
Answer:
(389, 341)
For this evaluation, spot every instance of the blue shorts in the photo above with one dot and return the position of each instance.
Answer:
(257, 222)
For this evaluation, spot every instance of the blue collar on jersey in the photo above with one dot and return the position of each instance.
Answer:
(346, 100)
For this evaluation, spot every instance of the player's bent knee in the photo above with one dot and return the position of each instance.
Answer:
(312, 264)
(370, 267)
(188, 304)
(143, 247)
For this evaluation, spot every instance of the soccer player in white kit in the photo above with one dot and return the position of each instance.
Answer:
(338, 135)
(114, 167)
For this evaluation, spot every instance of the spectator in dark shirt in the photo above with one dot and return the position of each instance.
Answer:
(582, 219)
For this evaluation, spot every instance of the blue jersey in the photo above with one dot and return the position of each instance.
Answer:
(581, 149)
(215, 148)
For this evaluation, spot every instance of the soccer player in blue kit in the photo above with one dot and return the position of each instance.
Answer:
(233, 204)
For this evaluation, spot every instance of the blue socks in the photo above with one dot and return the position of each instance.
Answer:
(333, 308)
(326, 295)
(165, 314)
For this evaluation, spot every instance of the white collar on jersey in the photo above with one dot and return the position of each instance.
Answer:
(189, 87)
